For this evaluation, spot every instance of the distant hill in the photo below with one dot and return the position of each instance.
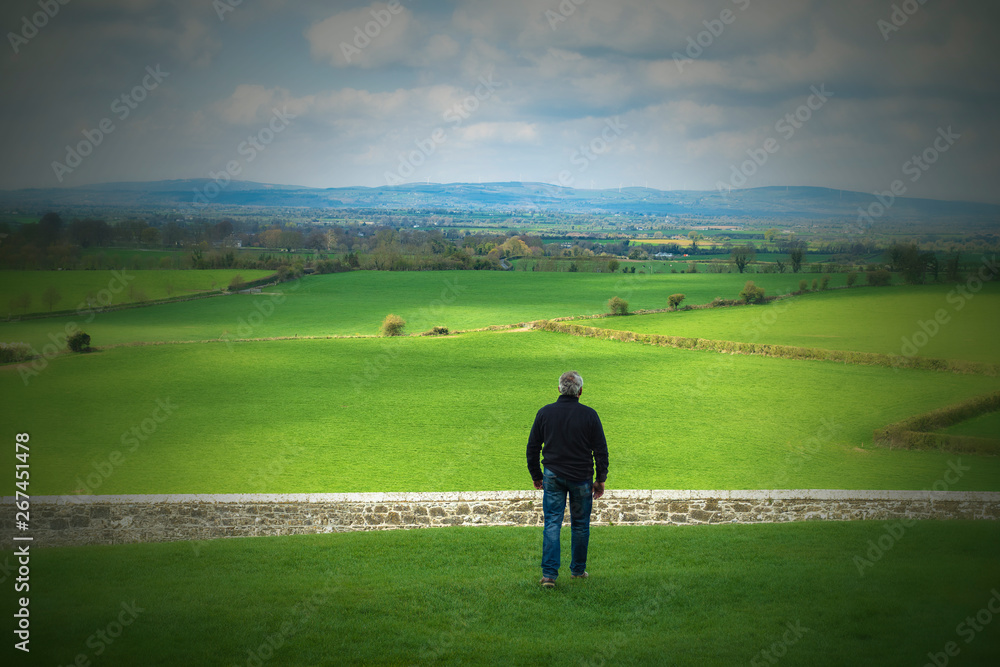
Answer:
(193, 195)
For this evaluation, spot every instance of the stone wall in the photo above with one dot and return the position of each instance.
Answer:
(74, 520)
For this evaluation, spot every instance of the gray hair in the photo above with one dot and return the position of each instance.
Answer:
(570, 384)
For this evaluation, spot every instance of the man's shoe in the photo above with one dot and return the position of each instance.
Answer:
(547, 583)
(579, 576)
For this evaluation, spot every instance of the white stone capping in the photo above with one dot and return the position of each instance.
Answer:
(531, 494)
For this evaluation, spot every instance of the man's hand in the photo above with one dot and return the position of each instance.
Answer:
(598, 490)
(538, 484)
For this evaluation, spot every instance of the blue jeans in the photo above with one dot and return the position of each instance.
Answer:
(581, 501)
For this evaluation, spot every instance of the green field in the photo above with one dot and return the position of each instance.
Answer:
(109, 287)
(453, 413)
(356, 303)
(699, 595)
(983, 426)
(864, 320)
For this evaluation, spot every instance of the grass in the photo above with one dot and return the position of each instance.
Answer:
(108, 288)
(863, 320)
(452, 413)
(983, 426)
(357, 302)
(707, 595)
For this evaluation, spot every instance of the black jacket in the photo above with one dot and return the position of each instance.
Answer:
(574, 441)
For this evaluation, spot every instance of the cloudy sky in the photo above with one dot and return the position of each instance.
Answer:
(687, 94)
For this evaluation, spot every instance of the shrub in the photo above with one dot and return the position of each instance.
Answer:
(692, 267)
(236, 283)
(803, 286)
(852, 278)
(14, 352)
(613, 265)
(393, 325)
(751, 293)
(815, 285)
(78, 342)
(573, 268)
(674, 300)
(878, 278)
(824, 282)
(437, 331)
(618, 306)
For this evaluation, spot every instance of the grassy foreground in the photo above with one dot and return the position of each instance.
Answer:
(708, 595)
(453, 413)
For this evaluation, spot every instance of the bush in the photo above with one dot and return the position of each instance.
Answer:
(815, 285)
(878, 278)
(803, 286)
(618, 306)
(437, 331)
(824, 282)
(78, 342)
(236, 283)
(613, 265)
(751, 293)
(573, 268)
(393, 325)
(852, 278)
(14, 352)
(674, 300)
(692, 267)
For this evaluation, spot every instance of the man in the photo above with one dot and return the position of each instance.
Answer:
(574, 445)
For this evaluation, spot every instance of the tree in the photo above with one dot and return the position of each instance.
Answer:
(751, 293)
(393, 325)
(78, 342)
(613, 265)
(795, 254)
(51, 297)
(674, 300)
(852, 278)
(743, 255)
(780, 266)
(618, 306)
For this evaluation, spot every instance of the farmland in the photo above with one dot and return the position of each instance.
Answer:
(864, 320)
(110, 288)
(355, 303)
(452, 413)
